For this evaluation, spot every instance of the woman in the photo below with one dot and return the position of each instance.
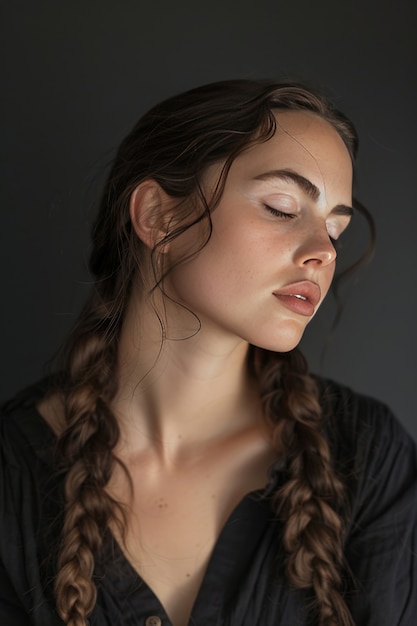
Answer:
(183, 467)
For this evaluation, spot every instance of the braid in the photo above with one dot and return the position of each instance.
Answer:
(310, 500)
(174, 144)
(84, 454)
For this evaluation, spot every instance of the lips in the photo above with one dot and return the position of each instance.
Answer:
(301, 297)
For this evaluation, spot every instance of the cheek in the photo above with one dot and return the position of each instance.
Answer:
(220, 272)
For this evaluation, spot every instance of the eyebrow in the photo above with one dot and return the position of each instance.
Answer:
(306, 186)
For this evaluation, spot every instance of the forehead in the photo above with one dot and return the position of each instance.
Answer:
(309, 131)
(303, 142)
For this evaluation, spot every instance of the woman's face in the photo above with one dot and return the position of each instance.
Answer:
(270, 259)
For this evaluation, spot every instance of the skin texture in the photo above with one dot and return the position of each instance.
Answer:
(195, 418)
(188, 411)
(252, 253)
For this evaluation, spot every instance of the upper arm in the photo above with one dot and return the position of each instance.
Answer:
(381, 549)
(23, 598)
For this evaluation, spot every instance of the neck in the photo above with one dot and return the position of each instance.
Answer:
(188, 389)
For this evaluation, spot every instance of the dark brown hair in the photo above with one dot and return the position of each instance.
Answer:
(174, 144)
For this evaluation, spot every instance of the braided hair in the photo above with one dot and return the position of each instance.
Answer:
(174, 144)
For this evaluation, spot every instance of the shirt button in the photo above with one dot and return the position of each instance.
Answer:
(153, 620)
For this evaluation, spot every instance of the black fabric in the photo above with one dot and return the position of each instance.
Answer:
(244, 583)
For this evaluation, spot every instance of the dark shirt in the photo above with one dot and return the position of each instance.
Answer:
(244, 584)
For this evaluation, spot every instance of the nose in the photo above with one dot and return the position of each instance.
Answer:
(316, 249)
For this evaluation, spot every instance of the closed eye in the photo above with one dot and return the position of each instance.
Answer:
(279, 213)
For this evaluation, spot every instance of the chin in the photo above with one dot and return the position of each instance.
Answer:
(287, 347)
(284, 342)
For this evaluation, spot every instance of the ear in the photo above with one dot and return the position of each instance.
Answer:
(150, 212)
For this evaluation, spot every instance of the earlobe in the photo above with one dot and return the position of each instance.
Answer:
(149, 212)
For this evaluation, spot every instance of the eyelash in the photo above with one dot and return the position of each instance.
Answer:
(279, 213)
(289, 216)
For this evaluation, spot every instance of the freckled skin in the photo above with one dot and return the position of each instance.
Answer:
(195, 422)
(251, 253)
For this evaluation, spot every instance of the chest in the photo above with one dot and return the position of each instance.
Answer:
(174, 522)
(169, 543)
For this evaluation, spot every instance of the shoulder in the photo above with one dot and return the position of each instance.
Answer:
(26, 440)
(28, 480)
(372, 452)
(359, 421)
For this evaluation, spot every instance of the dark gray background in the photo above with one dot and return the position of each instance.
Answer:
(77, 76)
